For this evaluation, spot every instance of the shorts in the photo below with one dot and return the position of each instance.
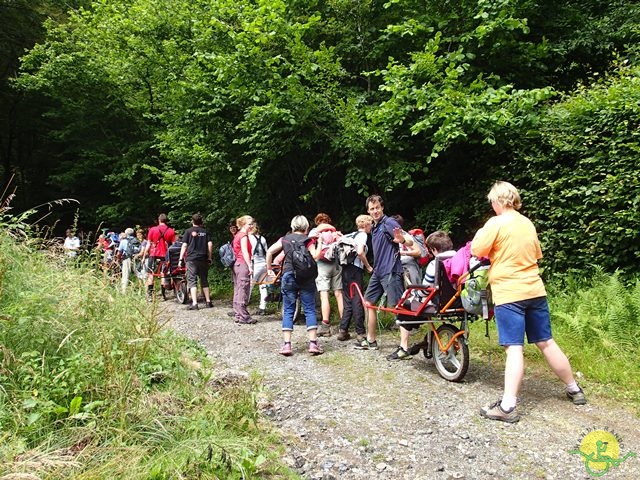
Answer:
(151, 264)
(526, 316)
(329, 276)
(391, 284)
(197, 269)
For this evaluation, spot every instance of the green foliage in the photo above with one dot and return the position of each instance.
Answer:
(277, 108)
(91, 375)
(586, 192)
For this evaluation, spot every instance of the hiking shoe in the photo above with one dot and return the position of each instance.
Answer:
(343, 335)
(578, 397)
(286, 349)
(324, 330)
(192, 307)
(251, 321)
(315, 348)
(495, 412)
(399, 354)
(209, 304)
(366, 345)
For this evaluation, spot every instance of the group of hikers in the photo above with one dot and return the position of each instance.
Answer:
(319, 260)
(509, 240)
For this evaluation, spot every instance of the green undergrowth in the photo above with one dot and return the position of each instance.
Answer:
(595, 322)
(92, 386)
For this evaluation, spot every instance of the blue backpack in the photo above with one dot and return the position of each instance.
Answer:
(227, 257)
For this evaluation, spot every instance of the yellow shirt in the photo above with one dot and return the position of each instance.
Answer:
(511, 243)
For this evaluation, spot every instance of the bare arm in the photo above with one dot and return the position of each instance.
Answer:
(271, 252)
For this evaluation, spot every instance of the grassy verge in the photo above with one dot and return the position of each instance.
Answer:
(91, 386)
(595, 321)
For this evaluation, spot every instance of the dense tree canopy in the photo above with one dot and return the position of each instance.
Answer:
(284, 106)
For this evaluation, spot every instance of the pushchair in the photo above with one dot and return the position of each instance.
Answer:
(441, 307)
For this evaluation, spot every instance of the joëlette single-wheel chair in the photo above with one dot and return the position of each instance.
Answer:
(172, 276)
(441, 307)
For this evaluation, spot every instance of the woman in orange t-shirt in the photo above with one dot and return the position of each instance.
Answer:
(511, 242)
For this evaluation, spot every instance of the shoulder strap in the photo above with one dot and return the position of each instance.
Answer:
(259, 245)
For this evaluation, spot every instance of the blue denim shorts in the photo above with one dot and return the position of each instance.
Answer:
(527, 316)
(391, 284)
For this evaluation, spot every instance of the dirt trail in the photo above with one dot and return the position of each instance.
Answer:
(351, 414)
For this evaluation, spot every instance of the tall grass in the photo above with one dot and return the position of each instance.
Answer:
(595, 321)
(92, 386)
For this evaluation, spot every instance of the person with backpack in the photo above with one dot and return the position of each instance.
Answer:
(196, 251)
(128, 248)
(329, 271)
(299, 272)
(510, 241)
(242, 271)
(159, 239)
(259, 259)
(353, 272)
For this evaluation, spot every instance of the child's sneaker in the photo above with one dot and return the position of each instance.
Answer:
(315, 349)
(578, 397)
(286, 349)
(495, 412)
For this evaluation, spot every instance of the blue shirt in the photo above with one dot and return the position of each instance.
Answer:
(385, 251)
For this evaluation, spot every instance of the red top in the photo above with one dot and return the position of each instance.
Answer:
(237, 246)
(160, 237)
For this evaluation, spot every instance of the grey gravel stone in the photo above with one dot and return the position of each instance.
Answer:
(351, 414)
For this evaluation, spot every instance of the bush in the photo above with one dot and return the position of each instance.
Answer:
(583, 190)
(94, 387)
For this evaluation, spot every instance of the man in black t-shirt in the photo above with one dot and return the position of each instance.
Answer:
(196, 251)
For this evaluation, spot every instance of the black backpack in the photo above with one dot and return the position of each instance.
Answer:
(133, 247)
(304, 266)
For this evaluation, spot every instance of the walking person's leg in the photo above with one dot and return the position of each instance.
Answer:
(308, 300)
(538, 328)
(126, 270)
(192, 284)
(243, 283)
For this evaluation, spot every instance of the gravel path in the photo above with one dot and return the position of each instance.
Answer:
(351, 414)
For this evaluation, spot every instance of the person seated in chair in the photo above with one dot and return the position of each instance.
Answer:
(437, 243)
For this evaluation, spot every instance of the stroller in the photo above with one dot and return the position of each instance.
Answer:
(442, 308)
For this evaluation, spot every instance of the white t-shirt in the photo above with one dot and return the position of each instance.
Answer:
(71, 245)
(361, 239)
(258, 253)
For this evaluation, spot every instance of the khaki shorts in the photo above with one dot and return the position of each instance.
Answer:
(329, 276)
